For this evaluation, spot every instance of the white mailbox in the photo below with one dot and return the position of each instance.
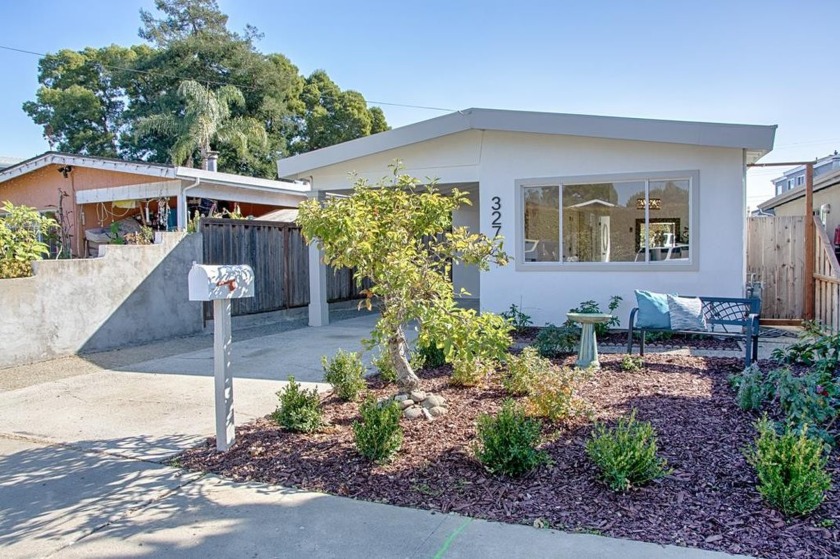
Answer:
(210, 283)
(220, 284)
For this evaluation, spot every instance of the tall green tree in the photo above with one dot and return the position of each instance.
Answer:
(399, 234)
(82, 99)
(91, 101)
(332, 116)
(206, 118)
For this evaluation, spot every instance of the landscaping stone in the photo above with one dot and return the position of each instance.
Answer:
(426, 413)
(406, 403)
(401, 397)
(413, 413)
(433, 401)
(418, 395)
(437, 411)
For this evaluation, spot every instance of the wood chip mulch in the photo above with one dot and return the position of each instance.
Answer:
(709, 501)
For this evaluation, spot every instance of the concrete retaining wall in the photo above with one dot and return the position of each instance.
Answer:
(130, 295)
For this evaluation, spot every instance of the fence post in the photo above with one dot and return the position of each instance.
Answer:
(810, 242)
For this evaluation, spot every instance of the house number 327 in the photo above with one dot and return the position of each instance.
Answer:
(496, 214)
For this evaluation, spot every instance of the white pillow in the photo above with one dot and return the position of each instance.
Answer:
(686, 313)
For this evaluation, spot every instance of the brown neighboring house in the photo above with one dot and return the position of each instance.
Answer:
(90, 193)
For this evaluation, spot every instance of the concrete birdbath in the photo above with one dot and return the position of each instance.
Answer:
(588, 352)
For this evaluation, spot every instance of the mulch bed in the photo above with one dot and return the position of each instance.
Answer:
(709, 501)
(619, 338)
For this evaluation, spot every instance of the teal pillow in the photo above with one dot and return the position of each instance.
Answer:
(653, 310)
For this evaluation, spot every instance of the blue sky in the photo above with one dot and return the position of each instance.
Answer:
(758, 62)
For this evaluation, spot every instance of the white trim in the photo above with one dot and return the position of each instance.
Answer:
(230, 179)
(757, 139)
(135, 167)
(131, 192)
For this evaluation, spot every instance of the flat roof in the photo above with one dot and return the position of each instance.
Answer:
(756, 139)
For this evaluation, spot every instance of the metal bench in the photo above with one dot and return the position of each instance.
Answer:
(728, 317)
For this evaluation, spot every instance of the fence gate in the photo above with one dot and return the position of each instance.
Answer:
(776, 255)
(280, 259)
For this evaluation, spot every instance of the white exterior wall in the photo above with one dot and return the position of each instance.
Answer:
(496, 160)
(548, 295)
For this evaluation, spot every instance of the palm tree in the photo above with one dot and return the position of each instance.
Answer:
(206, 119)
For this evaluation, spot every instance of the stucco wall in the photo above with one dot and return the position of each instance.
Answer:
(132, 294)
(498, 159)
(547, 295)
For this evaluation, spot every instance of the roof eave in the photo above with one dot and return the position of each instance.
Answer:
(757, 140)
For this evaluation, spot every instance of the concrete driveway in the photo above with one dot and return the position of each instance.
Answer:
(84, 445)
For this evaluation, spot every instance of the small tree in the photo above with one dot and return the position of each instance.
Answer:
(21, 229)
(398, 232)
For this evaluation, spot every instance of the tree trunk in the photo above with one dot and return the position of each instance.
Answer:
(398, 349)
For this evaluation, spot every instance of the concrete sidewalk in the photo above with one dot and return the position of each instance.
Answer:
(84, 440)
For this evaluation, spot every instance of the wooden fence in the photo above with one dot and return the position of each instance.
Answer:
(826, 281)
(776, 255)
(280, 259)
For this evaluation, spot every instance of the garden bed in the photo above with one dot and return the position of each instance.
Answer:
(619, 338)
(709, 501)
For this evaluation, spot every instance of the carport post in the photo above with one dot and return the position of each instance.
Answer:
(319, 309)
(225, 431)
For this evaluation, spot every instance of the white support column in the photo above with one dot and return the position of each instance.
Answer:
(181, 209)
(319, 310)
(225, 432)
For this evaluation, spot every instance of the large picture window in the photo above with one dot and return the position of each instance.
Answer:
(634, 220)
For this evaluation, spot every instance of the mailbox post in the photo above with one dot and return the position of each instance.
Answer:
(220, 284)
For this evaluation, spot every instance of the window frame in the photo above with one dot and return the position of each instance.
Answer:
(693, 263)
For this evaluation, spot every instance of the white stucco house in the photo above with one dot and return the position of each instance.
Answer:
(589, 206)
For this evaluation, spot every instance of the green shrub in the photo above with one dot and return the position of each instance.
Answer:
(299, 410)
(518, 319)
(508, 442)
(430, 354)
(809, 398)
(814, 348)
(470, 372)
(526, 370)
(752, 388)
(385, 366)
(346, 373)
(379, 435)
(554, 396)
(626, 453)
(551, 340)
(20, 230)
(632, 364)
(790, 469)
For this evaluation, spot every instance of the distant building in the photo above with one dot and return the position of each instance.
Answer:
(796, 176)
(826, 201)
